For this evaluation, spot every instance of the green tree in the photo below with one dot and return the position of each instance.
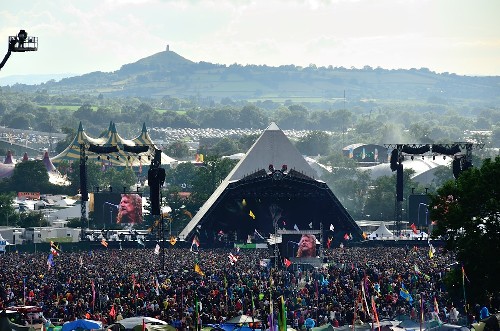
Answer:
(347, 182)
(225, 146)
(30, 176)
(182, 175)
(210, 175)
(7, 211)
(119, 179)
(94, 176)
(314, 143)
(177, 149)
(32, 219)
(467, 215)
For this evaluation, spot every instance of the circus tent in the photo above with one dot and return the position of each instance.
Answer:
(123, 157)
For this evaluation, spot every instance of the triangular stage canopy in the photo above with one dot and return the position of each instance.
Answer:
(124, 157)
(271, 185)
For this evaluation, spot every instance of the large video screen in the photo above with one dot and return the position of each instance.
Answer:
(117, 208)
(299, 245)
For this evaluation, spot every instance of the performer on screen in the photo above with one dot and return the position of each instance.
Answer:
(130, 210)
(307, 246)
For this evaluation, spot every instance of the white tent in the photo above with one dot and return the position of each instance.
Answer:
(381, 233)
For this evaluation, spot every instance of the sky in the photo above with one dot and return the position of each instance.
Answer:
(82, 36)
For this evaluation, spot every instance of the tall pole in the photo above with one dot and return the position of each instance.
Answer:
(83, 190)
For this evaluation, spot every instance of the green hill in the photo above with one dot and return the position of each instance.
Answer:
(169, 74)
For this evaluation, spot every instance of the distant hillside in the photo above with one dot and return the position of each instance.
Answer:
(169, 74)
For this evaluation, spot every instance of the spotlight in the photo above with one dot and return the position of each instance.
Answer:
(271, 168)
(284, 167)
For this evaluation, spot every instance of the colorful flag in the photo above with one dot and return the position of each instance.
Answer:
(104, 242)
(233, 258)
(332, 227)
(195, 242)
(464, 276)
(287, 262)
(112, 312)
(328, 242)
(414, 228)
(374, 309)
(50, 261)
(173, 240)
(346, 236)
(251, 214)
(157, 249)
(198, 270)
(403, 292)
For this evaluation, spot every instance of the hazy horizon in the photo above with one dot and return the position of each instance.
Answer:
(78, 37)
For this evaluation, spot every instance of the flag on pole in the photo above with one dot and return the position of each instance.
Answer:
(311, 225)
(328, 242)
(251, 214)
(287, 262)
(195, 243)
(93, 294)
(173, 240)
(414, 228)
(198, 270)
(332, 227)
(346, 236)
(282, 315)
(374, 308)
(104, 242)
(295, 227)
(233, 258)
(157, 249)
(50, 261)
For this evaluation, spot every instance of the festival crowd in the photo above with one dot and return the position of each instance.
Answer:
(111, 284)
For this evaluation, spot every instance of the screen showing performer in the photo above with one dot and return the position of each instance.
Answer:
(130, 209)
(307, 246)
(111, 208)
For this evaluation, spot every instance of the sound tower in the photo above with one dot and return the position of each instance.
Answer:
(399, 183)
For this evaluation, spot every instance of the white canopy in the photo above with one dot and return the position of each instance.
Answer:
(381, 233)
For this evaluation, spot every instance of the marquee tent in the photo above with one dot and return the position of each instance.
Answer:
(123, 157)
(381, 233)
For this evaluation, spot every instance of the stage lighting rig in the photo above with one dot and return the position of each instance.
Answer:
(20, 43)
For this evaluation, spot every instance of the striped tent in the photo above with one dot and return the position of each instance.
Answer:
(145, 140)
(121, 158)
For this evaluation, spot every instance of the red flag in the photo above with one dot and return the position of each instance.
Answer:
(414, 228)
(112, 312)
(287, 262)
(346, 237)
(328, 242)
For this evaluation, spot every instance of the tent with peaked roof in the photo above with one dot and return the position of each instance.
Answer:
(8, 158)
(120, 158)
(381, 233)
(47, 163)
(272, 184)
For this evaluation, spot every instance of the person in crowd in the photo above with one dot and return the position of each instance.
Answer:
(130, 209)
(307, 246)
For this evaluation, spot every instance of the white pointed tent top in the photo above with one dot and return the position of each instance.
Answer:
(272, 147)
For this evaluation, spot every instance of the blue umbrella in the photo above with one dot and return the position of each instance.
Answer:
(83, 324)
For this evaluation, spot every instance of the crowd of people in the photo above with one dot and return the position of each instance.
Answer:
(109, 285)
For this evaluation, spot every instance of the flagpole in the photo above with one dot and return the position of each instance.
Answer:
(463, 286)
